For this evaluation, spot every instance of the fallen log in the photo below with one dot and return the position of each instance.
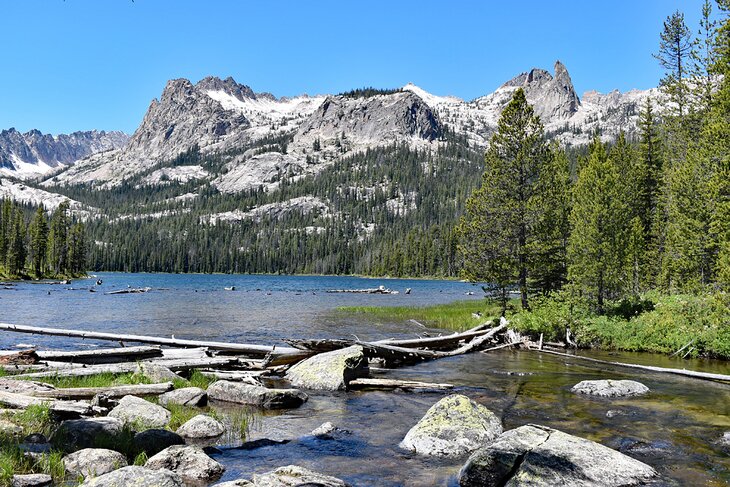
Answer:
(478, 342)
(390, 384)
(125, 368)
(247, 349)
(392, 354)
(499, 347)
(102, 355)
(114, 391)
(62, 408)
(24, 357)
(134, 290)
(665, 370)
(320, 346)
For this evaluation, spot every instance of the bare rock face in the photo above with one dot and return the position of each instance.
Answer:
(190, 462)
(372, 119)
(452, 427)
(92, 462)
(534, 455)
(610, 388)
(34, 153)
(330, 371)
(137, 411)
(137, 477)
(237, 392)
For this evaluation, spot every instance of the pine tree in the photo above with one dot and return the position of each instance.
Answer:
(675, 54)
(77, 249)
(39, 242)
(704, 56)
(597, 244)
(16, 253)
(498, 226)
(58, 240)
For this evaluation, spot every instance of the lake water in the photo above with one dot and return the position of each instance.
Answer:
(675, 428)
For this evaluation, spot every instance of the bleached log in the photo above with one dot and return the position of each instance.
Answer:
(102, 355)
(113, 391)
(664, 370)
(62, 408)
(247, 349)
(390, 384)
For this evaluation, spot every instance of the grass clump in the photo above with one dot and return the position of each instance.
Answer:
(36, 418)
(196, 379)
(98, 380)
(13, 461)
(457, 316)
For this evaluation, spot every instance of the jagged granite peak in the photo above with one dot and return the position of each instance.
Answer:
(34, 153)
(371, 119)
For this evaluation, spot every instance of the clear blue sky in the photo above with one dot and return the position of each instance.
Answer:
(85, 64)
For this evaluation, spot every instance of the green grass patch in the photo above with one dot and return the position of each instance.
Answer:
(457, 316)
(196, 379)
(36, 418)
(13, 461)
(98, 380)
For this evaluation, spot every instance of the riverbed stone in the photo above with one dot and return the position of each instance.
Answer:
(533, 455)
(76, 434)
(187, 396)
(134, 476)
(452, 427)
(330, 371)
(156, 372)
(139, 412)
(201, 426)
(190, 462)
(92, 462)
(610, 388)
(153, 441)
(293, 475)
(32, 480)
(224, 390)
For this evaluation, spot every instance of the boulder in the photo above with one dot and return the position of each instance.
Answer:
(92, 462)
(201, 426)
(156, 372)
(76, 434)
(535, 455)
(236, 483)
(153, 441)
(32, 480)
(293, 475)
(224, 390)
(134, 476)
(190, 462)
(137, 411)
(187, 396)
(330, 371)
(610, 388)
(725, 439)
(452, 427)
(328, 431)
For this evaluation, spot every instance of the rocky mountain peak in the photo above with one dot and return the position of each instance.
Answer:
(228, 85)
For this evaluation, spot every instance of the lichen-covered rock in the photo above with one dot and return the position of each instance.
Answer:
(137, 411)
(156, 372)
(293, 475)
(454, 426)
(330, 371)
(92, 462)
(610, 388)
(153, 441)
(201, 426)
(190, 462)
(224, 390)
(134, 476)
(32, 480)
(534, 455)
(187, 396)
(76, 434)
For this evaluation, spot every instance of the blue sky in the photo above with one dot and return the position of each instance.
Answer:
(84, 64)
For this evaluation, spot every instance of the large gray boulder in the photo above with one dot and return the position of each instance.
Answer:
(92, 462)
(187, 396)
(134, 476)
(190, 462)
(153, 441)
(139, 412)
(224, 390)
(452, 427)
(156, 373)
(76, 434)
(330, 371)
(610, 388)
(201, 426)
(293, 475)
(534, 455)
(32, 480)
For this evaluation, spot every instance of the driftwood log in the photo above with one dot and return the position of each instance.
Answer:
(389, 384)
(102, 355)
(62, 408)
(114, 391)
